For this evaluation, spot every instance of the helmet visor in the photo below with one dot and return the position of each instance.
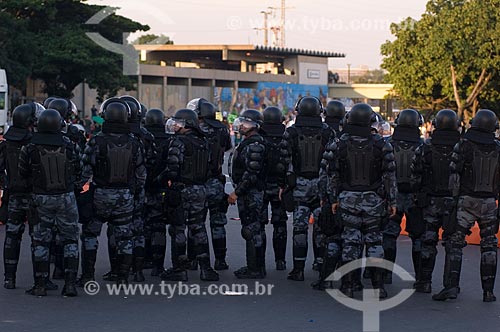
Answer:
(173, 125)
(245, 123)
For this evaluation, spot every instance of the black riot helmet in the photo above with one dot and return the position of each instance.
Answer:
(248, 121)
(409, 118)
(50, 121)
(155, 118)
(116, 111)
(61, 105)
(194, 104)
(335, 109)
(485, 120)
(206, 110)
(24, 116)
(47, 101)
(189, 116)
(309, 106)
(361, 115)
(446, 120)
(144, 110)
(272, 115)
(135, 107)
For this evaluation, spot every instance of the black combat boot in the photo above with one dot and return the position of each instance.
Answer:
(206, 271)
(347, 284)
(280, 265)
(10, 276)
(423, 275)
(390, 255)
(88, 263)
(139, 265)
(451, 277)
(279, 245)
(221, 264)
(115, 264)
(175, 274)
(158, 252)
(219, 246)
(39, 289)
(488, 274)
(125, 263)
(252, 270)
(69, 288)
(378, 281)
(297, 273)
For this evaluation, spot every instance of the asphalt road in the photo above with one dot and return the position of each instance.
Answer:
(293, 306)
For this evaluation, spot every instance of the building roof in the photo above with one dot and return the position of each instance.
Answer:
(247, 48)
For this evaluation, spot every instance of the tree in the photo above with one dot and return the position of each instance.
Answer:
(63, 55)
(448, 58)
(153, 40)
(376, 76)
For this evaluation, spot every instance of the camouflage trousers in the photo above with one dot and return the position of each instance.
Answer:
(18, 213)
(115, 207)
(217, 208)
(470, 210)
(438, 209)
(405, 206)
(51, 212)
(191, 216)
(362, 214)
(278, 220)
(307, 202)
(250, 213)
(155, 225)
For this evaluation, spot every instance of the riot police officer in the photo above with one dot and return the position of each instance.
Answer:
(146, 140)
(53, 167)
(430, 169)
(248, 177)
(187, 169)
(306, 140)
(66, 108)
(114, 160)
(362, 186)
(272, 131)
(220, 141)
(155, 217)
(405, 140)
(334, 114)
(15, 187)
(474, 178)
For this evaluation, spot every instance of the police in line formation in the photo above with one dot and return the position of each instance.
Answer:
(147, 175)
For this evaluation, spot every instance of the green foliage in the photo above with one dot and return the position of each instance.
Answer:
(450, 57)
(51, 45)
(153, 39)
(376, 76)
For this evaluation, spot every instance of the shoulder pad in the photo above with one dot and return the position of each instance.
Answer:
(256, 148)
(387, 148)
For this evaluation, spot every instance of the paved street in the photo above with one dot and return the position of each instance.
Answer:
(293, 306)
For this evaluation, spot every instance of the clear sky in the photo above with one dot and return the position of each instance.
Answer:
(354, 27)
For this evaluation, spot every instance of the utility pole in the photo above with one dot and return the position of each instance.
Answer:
(265, 28)
(348, 73)
(282, 24)
(280, 41)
